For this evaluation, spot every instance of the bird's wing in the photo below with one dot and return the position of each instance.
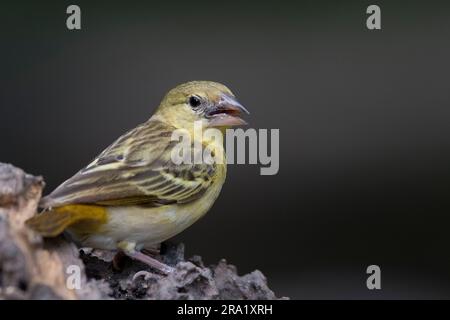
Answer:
(135, 170)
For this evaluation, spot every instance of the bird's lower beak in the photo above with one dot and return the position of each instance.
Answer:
(226, 113)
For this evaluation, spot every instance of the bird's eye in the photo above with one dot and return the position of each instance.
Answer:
(194, 101)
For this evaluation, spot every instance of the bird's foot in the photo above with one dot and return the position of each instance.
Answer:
(152, 262)
(147, 275)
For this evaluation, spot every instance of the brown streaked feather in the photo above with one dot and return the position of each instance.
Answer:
(135, 170)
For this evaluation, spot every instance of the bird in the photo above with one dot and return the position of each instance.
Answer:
(132, 196)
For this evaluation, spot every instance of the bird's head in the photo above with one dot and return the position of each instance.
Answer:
(209, 102)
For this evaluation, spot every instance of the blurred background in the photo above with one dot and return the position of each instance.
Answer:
(363, 116)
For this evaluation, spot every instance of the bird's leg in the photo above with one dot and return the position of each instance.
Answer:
(129, 248)
(152, 262)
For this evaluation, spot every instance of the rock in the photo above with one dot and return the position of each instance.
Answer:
(34, 268)
(252, 286)
(191, 279)
(29, 267)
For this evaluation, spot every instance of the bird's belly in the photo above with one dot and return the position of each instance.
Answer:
(149, 226)
(144, 227)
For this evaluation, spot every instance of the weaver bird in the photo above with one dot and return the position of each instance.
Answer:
(132, 196)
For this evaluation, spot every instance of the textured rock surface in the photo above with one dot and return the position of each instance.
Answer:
(31, 268)
(191, 279)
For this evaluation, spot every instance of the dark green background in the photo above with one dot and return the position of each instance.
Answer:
(363, 117)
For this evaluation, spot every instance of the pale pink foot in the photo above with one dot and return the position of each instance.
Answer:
(152, 262)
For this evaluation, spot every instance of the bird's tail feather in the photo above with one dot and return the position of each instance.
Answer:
(53, 222)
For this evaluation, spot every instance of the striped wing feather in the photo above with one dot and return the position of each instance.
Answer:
(135, 170)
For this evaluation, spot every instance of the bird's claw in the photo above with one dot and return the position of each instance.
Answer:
(147, 275)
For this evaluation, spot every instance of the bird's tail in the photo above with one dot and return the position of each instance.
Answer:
(54, 221)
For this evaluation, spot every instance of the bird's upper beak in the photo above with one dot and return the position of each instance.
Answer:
(226, 112)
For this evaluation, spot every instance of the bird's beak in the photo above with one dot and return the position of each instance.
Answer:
(226, 112)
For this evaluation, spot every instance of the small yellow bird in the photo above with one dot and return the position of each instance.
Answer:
(133, 196)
